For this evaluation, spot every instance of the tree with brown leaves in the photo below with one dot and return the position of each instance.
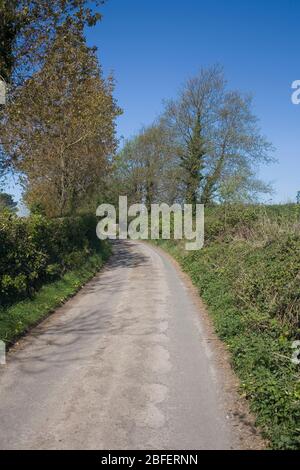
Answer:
(59, 130)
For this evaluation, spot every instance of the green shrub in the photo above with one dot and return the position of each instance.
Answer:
(36, 250)
(17, 319)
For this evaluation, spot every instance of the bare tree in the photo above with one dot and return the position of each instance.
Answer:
(237, 148)
(217, 134)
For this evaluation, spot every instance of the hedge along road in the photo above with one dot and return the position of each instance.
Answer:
(128, 363)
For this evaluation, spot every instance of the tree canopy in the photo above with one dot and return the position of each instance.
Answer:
(29, 27)
(214, 143)
(59, 129)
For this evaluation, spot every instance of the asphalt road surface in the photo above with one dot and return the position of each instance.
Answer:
(125, 364)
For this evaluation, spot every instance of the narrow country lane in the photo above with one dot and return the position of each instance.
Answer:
(125, 364)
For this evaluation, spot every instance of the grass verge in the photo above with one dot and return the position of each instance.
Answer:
(234, 279)
(17, 319)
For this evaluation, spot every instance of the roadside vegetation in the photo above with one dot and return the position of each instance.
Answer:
(42, 263)
(17, 319)
(248, 274)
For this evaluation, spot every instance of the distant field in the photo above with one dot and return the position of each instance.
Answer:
(248, 274)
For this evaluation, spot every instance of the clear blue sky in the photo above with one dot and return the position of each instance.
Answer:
(152, 46)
